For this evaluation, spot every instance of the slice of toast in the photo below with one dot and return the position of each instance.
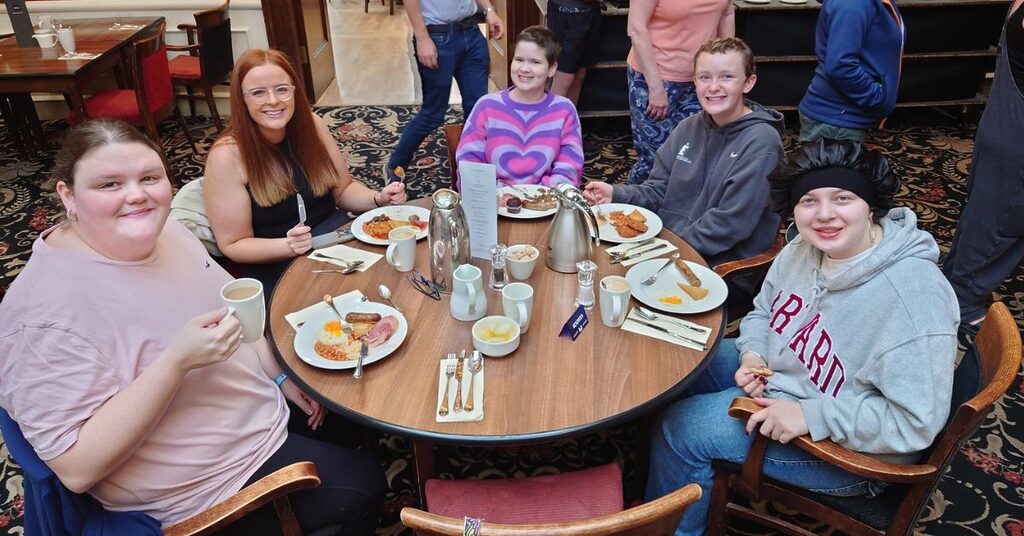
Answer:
(696, 293)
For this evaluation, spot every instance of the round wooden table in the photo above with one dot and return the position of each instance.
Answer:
(550, 387)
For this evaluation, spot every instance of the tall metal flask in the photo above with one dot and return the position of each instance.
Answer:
(570, 231)
(447, 238)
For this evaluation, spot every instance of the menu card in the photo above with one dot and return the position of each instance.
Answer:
(479, 195)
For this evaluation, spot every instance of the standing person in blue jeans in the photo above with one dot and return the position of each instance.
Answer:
(448, 46)
(874, 382)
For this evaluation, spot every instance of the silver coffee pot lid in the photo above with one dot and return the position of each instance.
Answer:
(446, 199)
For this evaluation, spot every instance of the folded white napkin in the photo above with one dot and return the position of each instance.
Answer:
(79, 56)
(300, 317)
(348, 254)
(478, 394)
(649, 255)
(633, 325)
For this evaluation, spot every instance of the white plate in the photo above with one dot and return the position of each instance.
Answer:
(525, 213)
(608, 232)
(306, 335)
(758, 1)
(666, 286)
(398, 212)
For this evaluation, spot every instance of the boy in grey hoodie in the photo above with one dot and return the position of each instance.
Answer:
(855, 320)
(709, 181)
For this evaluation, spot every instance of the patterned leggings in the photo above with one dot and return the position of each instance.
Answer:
(648, 134)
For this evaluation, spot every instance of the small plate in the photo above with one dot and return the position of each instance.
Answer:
(525, 213)
(608, 232)
(398, 212)
(305, 336)
(666, 286)
(758, 1)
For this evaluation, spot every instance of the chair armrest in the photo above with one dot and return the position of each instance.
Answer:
(767, 257)
(842, 457)
(186, 27)
(191, 31)
(182, 48)
(300, 475)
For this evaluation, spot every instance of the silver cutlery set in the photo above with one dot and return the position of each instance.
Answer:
(455, 368)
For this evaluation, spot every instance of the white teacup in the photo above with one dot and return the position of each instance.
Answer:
(469, 302)
(45, 39)
(495, 336)
(401, 251)
(520, 260)
(244, 299)
(67, 39)
(517, 304)
(614, 299)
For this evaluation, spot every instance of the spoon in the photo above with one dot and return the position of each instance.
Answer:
(385, 293)
(475, 364)
(345, 328)
(346, 271)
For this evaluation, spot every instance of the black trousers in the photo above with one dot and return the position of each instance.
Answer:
(352, 483)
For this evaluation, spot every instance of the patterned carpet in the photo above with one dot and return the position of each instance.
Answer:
(982, 494)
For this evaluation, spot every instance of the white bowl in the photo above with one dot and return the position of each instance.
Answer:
(501, 324)
(521, 269)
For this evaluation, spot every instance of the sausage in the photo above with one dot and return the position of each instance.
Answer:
(367, 318)
(687, 272)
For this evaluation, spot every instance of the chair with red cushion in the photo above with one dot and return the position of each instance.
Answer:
(152, 100)
(582, 502)
(210, 57)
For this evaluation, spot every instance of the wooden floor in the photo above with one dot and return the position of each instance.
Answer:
(373, 56)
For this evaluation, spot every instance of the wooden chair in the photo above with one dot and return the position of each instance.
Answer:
(152, 98)
(366, 6)
(983, 375)
(755, 269)
(210, 58)
(656, 518)
(452, 134)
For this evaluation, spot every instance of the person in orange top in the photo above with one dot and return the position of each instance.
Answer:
(666, 35)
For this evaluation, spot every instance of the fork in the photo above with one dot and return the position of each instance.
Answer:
(631, 248)
(449, 372)
(520, 191)
(649, 315)
(599, 215)
(654, 277)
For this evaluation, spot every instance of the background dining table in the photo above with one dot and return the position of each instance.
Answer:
(34, 69)
(550, 387)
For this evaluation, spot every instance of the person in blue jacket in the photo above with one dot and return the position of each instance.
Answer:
(859, 44)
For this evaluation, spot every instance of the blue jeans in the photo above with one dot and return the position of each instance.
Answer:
(648, 134)
(462, 55)
(698, 429)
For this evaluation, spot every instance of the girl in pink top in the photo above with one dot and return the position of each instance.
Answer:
(118, 363)
(532, 136)
(666, 34)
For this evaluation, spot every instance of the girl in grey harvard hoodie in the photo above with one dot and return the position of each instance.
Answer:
(861, 341)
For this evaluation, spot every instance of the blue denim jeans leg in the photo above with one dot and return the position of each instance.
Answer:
(698, 429)
(462, 55)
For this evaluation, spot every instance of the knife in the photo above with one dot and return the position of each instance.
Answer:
(302, 209)
(670, 333)
(632, 247)
(363, 350)
(618, 260)
(458, 383)
(338, 236)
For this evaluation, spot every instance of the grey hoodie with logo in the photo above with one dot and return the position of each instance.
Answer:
(868, 353)
(709, 184)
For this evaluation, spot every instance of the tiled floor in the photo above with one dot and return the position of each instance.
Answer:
(374, 61)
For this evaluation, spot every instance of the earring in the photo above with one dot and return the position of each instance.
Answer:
(72, 215)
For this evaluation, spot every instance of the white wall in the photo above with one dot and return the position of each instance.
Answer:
(248, 30)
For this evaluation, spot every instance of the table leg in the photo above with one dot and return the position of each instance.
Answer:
(76, 103)
(423, 459)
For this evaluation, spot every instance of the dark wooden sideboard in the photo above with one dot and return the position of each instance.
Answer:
(949, 50)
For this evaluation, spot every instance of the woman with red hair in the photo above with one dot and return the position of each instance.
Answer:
(275, 148)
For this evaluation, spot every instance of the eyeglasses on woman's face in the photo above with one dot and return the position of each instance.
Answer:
(260, 95)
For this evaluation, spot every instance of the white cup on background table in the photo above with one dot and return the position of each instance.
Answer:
(614, 294)
(517, 304)
(67, 39)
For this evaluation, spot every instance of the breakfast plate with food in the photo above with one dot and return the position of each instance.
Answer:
(621, 223)
(374, 225)
(526, 201)
(686, 287)
(322, 342)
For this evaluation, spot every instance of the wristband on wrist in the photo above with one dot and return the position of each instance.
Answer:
(280, 379)
(488, 10)
(375, 202)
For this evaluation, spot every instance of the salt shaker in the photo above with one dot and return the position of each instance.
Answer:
(585, 271)
(498, 278)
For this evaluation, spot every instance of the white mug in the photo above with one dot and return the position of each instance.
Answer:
(517, 304)
(45, 39)
(244, 299)
(468, 299)
(614, 298)
(67, 39)
(401, 251)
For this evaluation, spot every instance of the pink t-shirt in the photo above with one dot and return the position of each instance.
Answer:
(678, 29)
(77, 328)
